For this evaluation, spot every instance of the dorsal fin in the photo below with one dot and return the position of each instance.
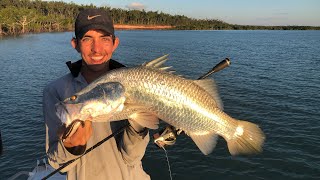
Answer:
(158, 64)
(210, 86)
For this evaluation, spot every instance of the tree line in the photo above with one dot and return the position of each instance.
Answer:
(24, 16)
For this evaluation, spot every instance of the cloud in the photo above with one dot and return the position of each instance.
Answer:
(136, 6)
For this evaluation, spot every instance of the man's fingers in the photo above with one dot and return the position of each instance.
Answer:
(88, 129)
(81, 136)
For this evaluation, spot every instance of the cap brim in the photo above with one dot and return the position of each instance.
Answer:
(85, 29)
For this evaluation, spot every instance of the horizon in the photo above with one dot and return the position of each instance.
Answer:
(250, 12)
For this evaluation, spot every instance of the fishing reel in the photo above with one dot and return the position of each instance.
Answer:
(167, 136)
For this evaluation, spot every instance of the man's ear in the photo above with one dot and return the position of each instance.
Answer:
(115, 44)
(75, 45)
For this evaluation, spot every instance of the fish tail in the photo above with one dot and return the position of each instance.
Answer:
(248, 138)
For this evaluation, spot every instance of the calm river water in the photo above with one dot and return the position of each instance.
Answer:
(274, 81)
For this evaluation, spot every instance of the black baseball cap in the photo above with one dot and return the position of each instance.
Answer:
(92, 18)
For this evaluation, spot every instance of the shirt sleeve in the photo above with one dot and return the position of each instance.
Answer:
(56, 151)
(134, 145)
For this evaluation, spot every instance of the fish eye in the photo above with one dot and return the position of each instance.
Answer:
(74, 97)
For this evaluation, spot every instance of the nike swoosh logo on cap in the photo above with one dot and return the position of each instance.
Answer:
(92, 17)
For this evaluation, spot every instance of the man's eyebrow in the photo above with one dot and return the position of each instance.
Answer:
(103, 35)
(106, 35)
(86, 36)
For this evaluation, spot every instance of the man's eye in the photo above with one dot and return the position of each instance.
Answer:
(107, 39)
(85, 39)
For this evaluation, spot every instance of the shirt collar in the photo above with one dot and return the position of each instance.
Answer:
(81, 79)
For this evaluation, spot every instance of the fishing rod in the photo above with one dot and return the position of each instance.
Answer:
(223, 64)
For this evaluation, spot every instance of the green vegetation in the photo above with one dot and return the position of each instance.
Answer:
(24, 16)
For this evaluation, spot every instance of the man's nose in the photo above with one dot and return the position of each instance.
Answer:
(96, 46)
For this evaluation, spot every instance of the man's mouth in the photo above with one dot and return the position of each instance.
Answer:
(97, 58)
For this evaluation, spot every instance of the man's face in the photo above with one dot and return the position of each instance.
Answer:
(96, 47)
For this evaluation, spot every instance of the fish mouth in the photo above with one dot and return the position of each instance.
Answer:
(62, 112)
(65, 131)
(69, 112)
(69, 125)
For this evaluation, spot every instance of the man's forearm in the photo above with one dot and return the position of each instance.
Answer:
(134, 145)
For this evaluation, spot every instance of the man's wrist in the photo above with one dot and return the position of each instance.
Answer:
(75, 150)
(138, 129)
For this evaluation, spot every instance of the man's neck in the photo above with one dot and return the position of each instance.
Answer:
(93, 72)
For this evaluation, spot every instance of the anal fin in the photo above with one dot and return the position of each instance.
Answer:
(206, 141)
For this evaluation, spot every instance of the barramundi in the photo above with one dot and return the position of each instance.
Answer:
(152, 91)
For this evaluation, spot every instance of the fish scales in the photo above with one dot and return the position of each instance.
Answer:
(176, 100)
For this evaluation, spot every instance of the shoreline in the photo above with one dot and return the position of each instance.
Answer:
(142, 27)
(116, 27)
(156, 27)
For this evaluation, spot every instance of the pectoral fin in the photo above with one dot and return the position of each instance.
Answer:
(145, 119)
(101, 118)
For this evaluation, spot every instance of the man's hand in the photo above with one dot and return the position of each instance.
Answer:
(80, 137)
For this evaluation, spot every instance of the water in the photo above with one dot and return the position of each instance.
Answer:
(274, 81)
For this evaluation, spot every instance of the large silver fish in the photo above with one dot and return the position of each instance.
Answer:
(152, 92)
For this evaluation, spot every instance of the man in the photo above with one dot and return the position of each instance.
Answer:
(117, 158)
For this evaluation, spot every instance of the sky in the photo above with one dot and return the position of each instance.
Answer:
(242, 12)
